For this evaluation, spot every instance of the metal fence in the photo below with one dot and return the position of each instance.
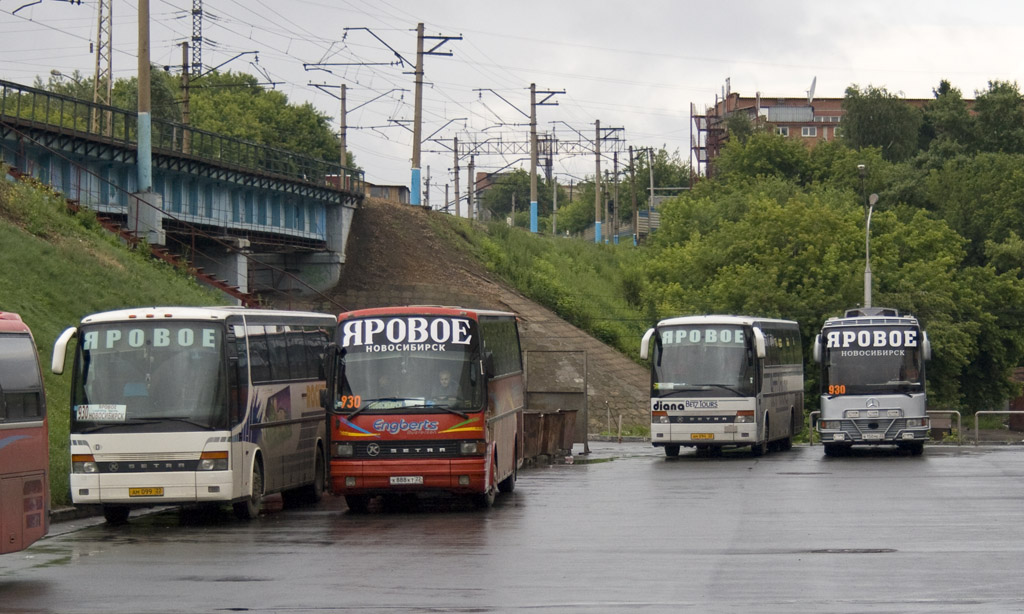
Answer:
(37, 108)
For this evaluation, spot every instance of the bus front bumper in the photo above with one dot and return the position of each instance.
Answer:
(364, 477)
(155, 488)
(737, 434)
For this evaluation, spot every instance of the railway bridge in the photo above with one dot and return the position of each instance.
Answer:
(252, 218)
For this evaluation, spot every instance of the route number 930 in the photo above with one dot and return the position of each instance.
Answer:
(349, 401)
(837, 389)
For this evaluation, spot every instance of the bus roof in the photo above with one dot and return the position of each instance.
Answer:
(198, 313)
(721, 319)
(871, 320)
(12, 323)
(424, 310)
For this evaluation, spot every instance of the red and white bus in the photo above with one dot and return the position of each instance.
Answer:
(424, 399)
(24, 440)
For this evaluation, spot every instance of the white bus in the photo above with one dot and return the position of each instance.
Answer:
(872, 380)
(719, 381)
(187, 405)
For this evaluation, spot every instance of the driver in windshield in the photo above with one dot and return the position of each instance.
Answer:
(445, 388)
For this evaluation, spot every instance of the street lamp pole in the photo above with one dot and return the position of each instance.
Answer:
(867, 251)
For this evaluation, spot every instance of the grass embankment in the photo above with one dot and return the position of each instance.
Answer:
(594, 287)
(56, 267)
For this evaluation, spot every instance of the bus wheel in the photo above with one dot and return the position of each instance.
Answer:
(116, 514)
(486, 499)
(509, 483)
(916, 448)
(759, 448)
(357, 504)
(250, 508)
(833, 449)
(673, 450)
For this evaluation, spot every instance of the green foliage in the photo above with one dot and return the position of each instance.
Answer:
(873, 117)
(55, 268)
(764, 154)
(1000, 118)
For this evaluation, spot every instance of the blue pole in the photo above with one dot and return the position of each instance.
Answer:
(414, 198)
(533, 216)
(597, 232)
(145, 153)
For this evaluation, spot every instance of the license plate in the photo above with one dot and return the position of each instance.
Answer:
(146, 492)
(406, 479)
(702, 435)
(873, 436)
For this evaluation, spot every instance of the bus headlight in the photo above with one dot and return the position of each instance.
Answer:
(828, 424)
(344, 450)
(917, 423)
(213, 461)
(745, 416)
(84, 463)
(472, 447)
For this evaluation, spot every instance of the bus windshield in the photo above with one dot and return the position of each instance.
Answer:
(873, 361)
(702, 361)
(149, 376)
(409, 364)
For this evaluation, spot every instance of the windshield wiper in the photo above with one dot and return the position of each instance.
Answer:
(449, 409)
(727, 387)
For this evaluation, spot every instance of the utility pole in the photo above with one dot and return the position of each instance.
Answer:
(455, 148)
(632, 191)
(471, 190)
(615, 198)
(103, 83)
(426, 193)
(650, 202)
(417, 129)
(534, 153)
(597, 182)
(197, 37)
(342, 135)
(186, 113)
(554, 206)
(145, 147)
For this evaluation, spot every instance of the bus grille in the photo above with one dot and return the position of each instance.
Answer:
(385, 450)
(890, 427)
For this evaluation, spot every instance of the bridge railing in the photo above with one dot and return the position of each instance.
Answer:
(65, 114)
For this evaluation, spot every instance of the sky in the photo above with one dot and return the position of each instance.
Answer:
(637, 67)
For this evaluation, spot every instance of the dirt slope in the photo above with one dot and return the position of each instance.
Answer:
(394, 258)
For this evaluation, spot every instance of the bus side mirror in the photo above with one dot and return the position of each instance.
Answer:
(926, 346)
(645, 343)
(60, 350)
(816, 351)
(329, 368)
(759, 343)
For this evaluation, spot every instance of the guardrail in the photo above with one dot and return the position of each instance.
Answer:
(987, 412)
(29, 106)
(959, 428)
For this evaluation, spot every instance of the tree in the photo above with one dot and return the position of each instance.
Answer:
(873, 117)
(764, 154)
(1000, 117)
(948, 120)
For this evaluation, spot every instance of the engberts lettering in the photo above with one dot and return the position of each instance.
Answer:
(394, 427)
(372, 332)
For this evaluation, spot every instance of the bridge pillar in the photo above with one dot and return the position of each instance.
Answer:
(299, 275)
(228, 260)
(146, 217)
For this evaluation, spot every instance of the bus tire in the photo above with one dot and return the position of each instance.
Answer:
(357, 504)
(485, 499)
(116, 514)
(833, 449)
(672, 450)
(509, 483)
(310, 493)
(786, 443)
(759, 448)
(250, 507)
